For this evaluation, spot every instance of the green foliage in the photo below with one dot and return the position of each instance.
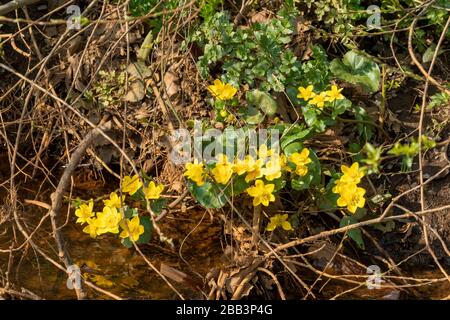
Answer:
(410, 150)
(354, 234)
(438, 100)
(258, 55)
(209, 195)
(357, 69)
(337, 16)
(373, 158)
(260, 104)
(109, 89)
(139, 8)
(208, 8)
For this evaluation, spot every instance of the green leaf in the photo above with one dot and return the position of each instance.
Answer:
(239, 184)
(428, 54)
(127, 242)
(328, 201)
(148, 229)
(294, 133)
(253, 116)
(158, 205)
(209, 195)
(263, 101)
(354, 234)
(310, 115)
(385, 227)
(357, 69)
(292, 147)
(130, 212)
(340, 107)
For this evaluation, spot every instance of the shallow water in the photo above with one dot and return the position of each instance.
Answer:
(107, 263)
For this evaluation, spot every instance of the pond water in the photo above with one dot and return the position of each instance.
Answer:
(123, 272)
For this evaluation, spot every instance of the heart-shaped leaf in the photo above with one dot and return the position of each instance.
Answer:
(357, 69)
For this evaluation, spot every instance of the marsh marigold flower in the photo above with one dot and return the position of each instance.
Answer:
(222, 91)
(273, 168)
(131, 185)
(134, 230)
(195, 172)
(223, 170)
(301, 160)
(241, 166)
(279, 221)
(261, 193)
(153, 191)
(352, 174)
(84, 212)
(254, 170)
(264, 152)
(334, 94)
(114, 201)
(108, 220)
(306, 93)
(319, 100)
(91, 228)
(352, 198)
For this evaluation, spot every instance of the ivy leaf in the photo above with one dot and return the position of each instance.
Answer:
(357, 69)
(354, 234)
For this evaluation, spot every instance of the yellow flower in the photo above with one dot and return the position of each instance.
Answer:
(272, 170)
(223, 170)
(334, 94)
(279, 221)
(254, 169)
(319, 100)
(84, 212)
(352, 174)
(261, 193)
(306, 93)
(222, 91)
(108, 220)
(131, 185)
(352, 198)
(301, 160)
(91, 228)
(114, 200)
(342, 186)
(153, 191)
(241, 166)
(195, 172)
(135, 229)
(223, 113)
(264, 153)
